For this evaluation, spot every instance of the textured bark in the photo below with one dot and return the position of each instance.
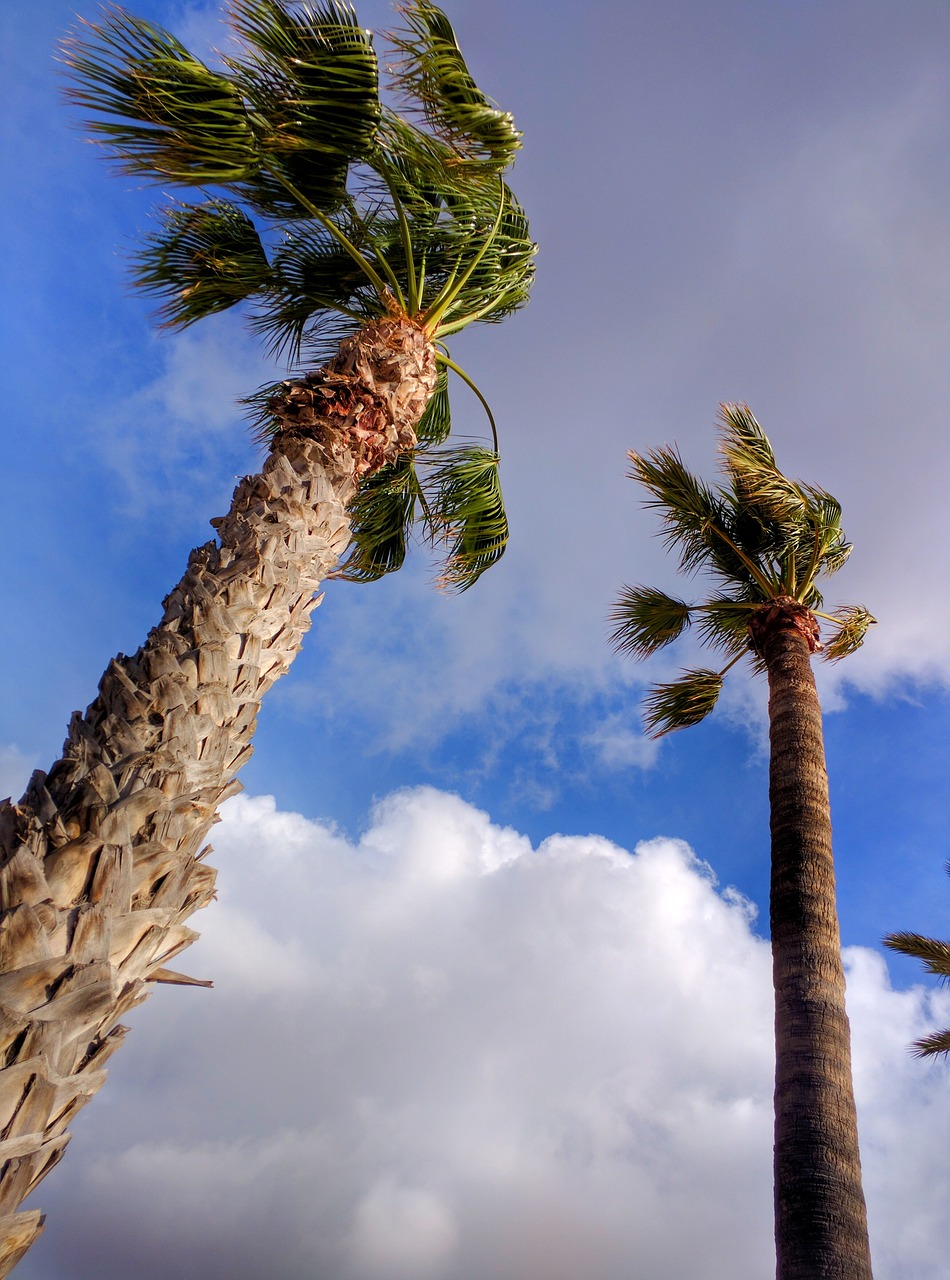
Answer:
(820, 1218)
(103, 859)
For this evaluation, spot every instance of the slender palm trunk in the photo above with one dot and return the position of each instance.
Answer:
(820, 1218)
(103, 859)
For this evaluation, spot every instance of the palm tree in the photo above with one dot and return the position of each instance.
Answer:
(935, 956)
(764, 542)
(359, 239)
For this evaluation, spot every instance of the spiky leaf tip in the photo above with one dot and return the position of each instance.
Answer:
(681, 703)
(312, 80)
(646, 619)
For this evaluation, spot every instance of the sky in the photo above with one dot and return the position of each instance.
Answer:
(491, 968)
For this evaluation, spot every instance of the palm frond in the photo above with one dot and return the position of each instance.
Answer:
(465, 512)
(688, 508)
(501, 280)
(852, 621)
(681, 703)
(312, 82)
(928, 1046)
(723, 623)
(934, 955)
(312, 273)
(434, 74)
(204, 259)
(646, 620)
(436, 422)
(156, 107)
(381, 516)
(759, 486)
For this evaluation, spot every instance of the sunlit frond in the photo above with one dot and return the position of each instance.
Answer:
(646, 620)
(434, 74)
(156, 107)
(852, 626)
(681, 703)
(723, 624)
(204, 259)
(311, 80)
(465, 512)
(688, 508)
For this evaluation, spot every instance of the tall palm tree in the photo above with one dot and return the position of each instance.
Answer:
(764, 542)
(359, 237)
(935, 956)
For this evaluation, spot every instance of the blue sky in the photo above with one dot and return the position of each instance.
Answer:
(733, 201)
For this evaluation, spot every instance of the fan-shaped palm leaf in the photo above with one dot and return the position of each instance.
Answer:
(646, 620)
(204, 259)
(681, 703)
(465, 512)
(167, 115)
(434, 75)
(311, 82)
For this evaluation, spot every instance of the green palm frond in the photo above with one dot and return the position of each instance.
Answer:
(311, 274)
(760, 487)
(434, 75)
(204, 259)
(167, 116)
(381, 517)
(681, 703)
(688, 508)
(465, 512)
(501, 280)
(762, 538)
(311, 80)
(646, 620)
(723, 623)
(935, 955)
(436, 422)
(852, 623)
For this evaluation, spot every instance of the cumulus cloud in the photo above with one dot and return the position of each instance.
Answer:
(439, 1053)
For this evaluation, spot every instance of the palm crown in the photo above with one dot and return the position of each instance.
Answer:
(324, 208)
(761, 540)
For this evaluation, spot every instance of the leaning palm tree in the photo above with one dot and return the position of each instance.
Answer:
(935, 956)
(764, 542)
(359, 238)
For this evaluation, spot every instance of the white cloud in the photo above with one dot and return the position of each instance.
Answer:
(15, 770)
(443, 1054)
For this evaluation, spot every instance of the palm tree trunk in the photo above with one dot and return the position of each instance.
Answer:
(820, 1218)
(103, 859)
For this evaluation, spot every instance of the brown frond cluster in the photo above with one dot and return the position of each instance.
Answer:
(783, 613)
(367, 401)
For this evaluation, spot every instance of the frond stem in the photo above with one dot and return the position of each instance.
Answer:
(442, 357)
(415, 289)
(761, 579)
(382, 289)
(450, 291)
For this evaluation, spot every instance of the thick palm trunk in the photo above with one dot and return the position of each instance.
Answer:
(820, 1218)
(103, 859)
